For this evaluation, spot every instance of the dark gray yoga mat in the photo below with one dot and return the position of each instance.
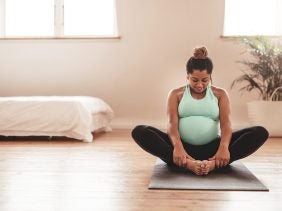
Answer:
(233, 177)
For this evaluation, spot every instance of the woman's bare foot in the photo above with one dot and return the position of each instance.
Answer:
(207, 166)
(195, 166)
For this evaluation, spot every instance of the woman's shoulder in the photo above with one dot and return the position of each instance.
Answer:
(218, 91)
(177, 92)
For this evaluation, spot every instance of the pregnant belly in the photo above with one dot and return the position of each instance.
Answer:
(198, 130)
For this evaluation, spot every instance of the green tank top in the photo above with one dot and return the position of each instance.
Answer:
(198, 118)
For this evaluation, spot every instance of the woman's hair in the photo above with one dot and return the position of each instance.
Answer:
(200, 61)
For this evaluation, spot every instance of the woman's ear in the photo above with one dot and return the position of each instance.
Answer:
(187, 78)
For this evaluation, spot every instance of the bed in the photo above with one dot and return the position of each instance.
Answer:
(70, 116)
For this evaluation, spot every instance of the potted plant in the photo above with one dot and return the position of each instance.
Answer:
(263, 73)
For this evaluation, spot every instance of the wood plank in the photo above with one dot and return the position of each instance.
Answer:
(113, 173)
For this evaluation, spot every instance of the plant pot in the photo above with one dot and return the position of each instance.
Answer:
(267, 114)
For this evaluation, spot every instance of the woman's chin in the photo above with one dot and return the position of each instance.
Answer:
(199, 91)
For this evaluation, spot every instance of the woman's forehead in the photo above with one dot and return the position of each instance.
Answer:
(200, 73)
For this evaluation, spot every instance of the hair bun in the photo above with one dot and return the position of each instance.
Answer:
(200, 53)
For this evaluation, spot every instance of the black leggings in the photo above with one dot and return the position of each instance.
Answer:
(243, 143)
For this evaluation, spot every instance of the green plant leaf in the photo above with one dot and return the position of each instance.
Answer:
(263, 72)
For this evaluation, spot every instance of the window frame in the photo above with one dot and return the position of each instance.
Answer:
(58, 26)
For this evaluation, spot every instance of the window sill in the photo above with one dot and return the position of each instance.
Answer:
(61, 38)
(242, 36)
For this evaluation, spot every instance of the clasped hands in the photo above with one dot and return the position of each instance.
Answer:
(220, 159)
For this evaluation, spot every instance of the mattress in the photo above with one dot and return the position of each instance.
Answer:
(71, 116)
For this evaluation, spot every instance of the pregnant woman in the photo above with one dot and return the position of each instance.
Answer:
(199, 135)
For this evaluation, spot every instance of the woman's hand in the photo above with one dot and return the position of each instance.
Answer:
(221, 157)
(180, 156)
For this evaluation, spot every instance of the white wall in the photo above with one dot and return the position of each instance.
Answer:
(135, 73)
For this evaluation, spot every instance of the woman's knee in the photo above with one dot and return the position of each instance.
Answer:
(138, 131)
(262, 131)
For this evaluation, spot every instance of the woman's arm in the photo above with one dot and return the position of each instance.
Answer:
(172, 114)
(179, 154)
(222, 155)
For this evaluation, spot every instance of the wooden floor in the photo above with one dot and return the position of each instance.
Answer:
(112, 173)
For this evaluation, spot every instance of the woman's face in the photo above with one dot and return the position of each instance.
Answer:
(199, 80)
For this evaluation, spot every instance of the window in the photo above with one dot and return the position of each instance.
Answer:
(252, 17)
(57, 18)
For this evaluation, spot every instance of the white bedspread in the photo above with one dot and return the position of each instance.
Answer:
(74, 116)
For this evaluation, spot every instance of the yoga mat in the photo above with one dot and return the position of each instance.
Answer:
(236, 176)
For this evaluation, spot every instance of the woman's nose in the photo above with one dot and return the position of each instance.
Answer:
(200, 85)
